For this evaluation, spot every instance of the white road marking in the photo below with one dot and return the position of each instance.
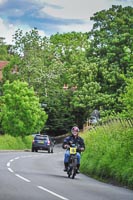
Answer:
(10, 170)
(16, 158)
(25, 179)
(8, 164)
(53, 193)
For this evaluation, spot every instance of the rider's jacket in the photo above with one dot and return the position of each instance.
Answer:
(72, 140)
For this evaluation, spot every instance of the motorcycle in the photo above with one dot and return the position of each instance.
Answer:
(72, 164)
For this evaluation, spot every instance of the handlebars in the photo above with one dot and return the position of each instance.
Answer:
(79, 149)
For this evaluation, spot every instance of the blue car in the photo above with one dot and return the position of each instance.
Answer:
(43, 142)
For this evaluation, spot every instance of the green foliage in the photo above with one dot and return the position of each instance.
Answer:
(109, 153)
(4, 50)
(8, 142)
(127, 99)
(111, 49)
(96, 64)
(21, 113)
(7, 71)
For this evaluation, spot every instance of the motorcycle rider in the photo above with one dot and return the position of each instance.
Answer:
(78, 141)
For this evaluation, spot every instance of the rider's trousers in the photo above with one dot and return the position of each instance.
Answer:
(67, 155)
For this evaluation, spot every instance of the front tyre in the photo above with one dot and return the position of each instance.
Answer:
(69, 172)
(74, 173)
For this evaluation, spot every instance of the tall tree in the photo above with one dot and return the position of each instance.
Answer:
(111, 37)
(21, 113)
(77, 73)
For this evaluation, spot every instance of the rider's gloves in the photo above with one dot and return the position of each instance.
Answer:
(66, 146)
(82, 149)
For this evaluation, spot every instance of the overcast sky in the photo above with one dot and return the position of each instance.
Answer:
(51, 16)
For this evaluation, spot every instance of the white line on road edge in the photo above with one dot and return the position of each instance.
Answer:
(8, 164)
(10, 169)
(22, 178)
(53, 193)
(16, 158)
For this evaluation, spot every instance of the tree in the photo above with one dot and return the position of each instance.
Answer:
(5, 53)
(77, 73)
(21, 113)
(48, 64)
(111, 38)
(127, 99)
(93, 67)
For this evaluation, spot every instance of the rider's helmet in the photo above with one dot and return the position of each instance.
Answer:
(75, 130)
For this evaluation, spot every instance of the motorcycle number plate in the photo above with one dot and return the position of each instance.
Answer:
(72, 150)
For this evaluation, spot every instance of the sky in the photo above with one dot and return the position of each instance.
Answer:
(50, 16)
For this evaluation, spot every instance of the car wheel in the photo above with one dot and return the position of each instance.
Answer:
(36, 150)
(32, 149)
(52, 151)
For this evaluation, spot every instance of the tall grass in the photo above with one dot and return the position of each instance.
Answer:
(109, 154)
(7, 142)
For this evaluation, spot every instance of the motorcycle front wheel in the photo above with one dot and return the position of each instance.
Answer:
(69, 172)
(74, 172)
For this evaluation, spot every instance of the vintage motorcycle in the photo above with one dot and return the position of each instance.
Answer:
(72, 164)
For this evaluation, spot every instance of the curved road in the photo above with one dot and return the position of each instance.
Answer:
(40, 176)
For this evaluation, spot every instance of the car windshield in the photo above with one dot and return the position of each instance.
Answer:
(40, 137)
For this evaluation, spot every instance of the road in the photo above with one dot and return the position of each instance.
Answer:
(40, 176)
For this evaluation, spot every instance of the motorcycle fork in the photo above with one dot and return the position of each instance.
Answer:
(73, 162)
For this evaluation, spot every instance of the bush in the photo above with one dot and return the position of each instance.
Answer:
(8, 142)
(109, 154)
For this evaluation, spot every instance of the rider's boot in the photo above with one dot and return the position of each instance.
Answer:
(65, 167)
(78, 166)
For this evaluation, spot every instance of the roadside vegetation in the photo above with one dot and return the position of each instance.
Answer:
(109, 154)
(8, 142)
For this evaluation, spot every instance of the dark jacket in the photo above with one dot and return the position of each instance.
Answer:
(72, 140)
